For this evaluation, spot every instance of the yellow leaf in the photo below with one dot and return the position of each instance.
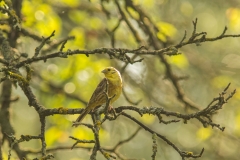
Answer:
(27, 10)
(233, 14)
(180, 61)
(40, 16)
(204, 133)
(52, 135)
(82, 132)
(133, 13)
(166, 29)
(148, 119)
(5, 155)
(161, 36)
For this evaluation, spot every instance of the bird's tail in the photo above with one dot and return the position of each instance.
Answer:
(82, 116)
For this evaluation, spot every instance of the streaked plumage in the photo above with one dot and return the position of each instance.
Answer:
(114, 80)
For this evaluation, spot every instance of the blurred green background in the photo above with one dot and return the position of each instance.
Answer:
(210, 67)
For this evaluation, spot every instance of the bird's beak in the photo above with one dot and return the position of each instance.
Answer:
(104, 71)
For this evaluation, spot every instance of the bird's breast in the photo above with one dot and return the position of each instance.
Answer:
(114, 89)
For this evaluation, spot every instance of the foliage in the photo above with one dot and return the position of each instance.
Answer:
(177, 101)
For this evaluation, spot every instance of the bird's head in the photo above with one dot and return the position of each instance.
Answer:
(111, 74)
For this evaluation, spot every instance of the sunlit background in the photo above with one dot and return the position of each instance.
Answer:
(209, 68)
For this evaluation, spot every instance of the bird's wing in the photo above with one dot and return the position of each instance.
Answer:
(98, 96)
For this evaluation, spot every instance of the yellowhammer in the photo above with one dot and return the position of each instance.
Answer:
(114, 80)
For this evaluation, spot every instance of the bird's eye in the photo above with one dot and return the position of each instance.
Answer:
(109, 69)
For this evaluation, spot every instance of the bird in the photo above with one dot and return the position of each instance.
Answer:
(114, 80)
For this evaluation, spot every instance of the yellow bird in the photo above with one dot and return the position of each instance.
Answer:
(114, 80)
